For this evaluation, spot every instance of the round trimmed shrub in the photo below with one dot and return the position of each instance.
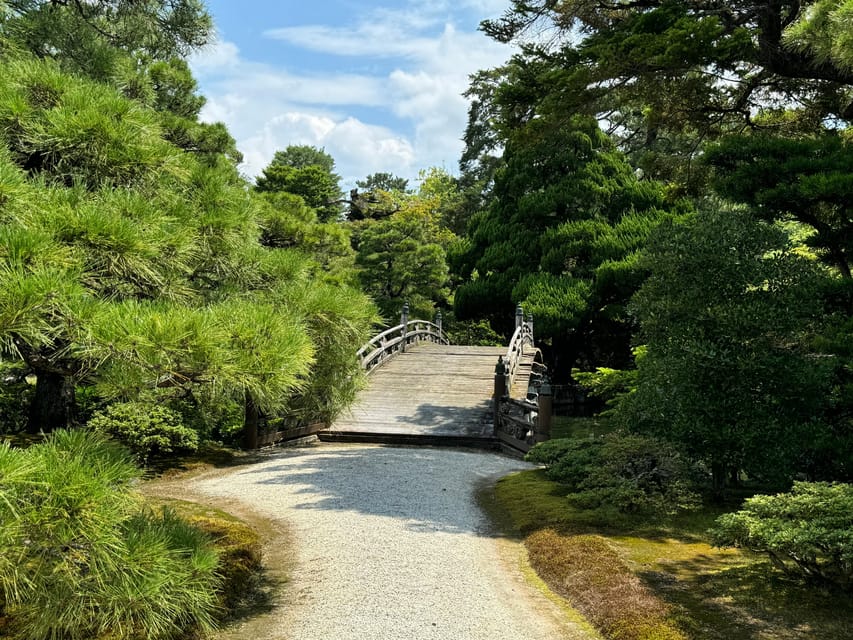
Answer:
(149, 431)
(806, 533)
(630, 473)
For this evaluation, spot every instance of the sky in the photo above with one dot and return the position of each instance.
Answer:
(378, 85)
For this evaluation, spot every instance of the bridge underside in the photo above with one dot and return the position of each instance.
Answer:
(432, 394)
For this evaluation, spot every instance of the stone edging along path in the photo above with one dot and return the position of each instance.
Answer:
(386, 543)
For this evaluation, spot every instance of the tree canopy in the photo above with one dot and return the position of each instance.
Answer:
(727, 315)
(307, 172)
(561, 237)
(137, 266)
(667, 75)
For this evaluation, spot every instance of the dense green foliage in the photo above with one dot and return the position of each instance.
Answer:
(562, 238)
(726, 315)
(807, 179)
(383, 181)
(133, 265)
(667, 75)
(629, 473)
(807, 532)
(307, 172)
(148, 431)
(744, 323)
(402, 242)
(80, 558)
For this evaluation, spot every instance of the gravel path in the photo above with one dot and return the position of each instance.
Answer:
(389, 543)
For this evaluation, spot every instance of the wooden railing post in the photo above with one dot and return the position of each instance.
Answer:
(500, 389)
(438, 324)
(519, 316)
(542, 431)
(404, 320)
(530, 324)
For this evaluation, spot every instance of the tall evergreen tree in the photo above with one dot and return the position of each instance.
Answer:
(562, 238)
(666, 76)
(308, 172)
(136, 266)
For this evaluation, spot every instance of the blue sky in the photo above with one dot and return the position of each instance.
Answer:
(377, 84)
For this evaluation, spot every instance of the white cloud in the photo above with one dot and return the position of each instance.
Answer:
(411, 114)
(369, 39)
(359, 149)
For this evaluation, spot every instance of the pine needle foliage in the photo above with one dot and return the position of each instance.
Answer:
(135, 267)
(79, 558)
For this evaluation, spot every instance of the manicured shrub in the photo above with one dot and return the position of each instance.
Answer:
(807, 532)
(80, 558)
(149, 431)
(630, 473)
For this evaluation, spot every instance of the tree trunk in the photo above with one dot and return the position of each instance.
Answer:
(734, 476)
(252, 419)
(53, 404)
(718, 475)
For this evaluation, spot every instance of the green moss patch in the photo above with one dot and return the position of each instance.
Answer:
(660, 579)
(238, 545)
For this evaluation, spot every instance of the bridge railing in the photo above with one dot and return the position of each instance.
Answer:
(384, 346)
(521, 423)
(522, 338)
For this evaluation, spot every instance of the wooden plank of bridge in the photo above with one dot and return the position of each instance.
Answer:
(431, 394)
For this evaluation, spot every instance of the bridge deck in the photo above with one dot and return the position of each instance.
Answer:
(430, 393)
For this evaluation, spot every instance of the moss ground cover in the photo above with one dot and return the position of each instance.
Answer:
(238, 545)
(640, 579)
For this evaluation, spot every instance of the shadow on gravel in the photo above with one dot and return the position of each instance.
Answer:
(430, 489)
(256, 599)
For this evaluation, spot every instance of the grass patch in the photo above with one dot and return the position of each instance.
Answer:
(573, 427)
(660, 579)
(209, 455)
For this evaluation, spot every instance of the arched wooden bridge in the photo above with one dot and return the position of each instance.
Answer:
(423, 390)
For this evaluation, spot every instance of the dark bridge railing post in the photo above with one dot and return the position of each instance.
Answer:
(500, 390)
(404, 320)
(542, 431)
(519, 316)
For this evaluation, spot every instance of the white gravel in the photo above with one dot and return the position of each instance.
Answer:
(389, 543)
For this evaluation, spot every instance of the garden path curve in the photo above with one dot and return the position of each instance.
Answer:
(389, 543)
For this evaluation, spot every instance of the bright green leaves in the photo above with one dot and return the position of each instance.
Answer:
(825, 32)
(561, 236)
(69, 130)
(727, 316)
(402, 241)
(94, 38)
(807, 532)
(267, 354)
(806, 179)
(403, 259)
(307, 172)
(40, 308)
(137, 268)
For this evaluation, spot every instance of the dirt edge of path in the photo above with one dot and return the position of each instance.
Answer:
(515, 559)
(276, 544)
